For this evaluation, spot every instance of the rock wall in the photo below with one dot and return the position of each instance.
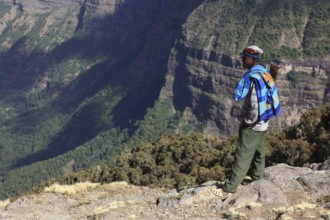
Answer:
(202, 82)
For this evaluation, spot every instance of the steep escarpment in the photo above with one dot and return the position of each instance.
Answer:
(202, 85)
(205, 64)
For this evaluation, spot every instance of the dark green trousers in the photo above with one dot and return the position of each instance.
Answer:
(250, 152)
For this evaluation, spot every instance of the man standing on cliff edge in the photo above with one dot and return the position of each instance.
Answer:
(261, 103)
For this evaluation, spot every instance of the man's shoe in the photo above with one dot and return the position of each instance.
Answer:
(219, 192)
(247, 180)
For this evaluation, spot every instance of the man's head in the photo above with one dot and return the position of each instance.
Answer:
(251, 56)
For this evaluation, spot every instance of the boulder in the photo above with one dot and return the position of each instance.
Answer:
(285, 176)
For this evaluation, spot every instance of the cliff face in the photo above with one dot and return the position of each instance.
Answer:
(205, 66)
(203, 83)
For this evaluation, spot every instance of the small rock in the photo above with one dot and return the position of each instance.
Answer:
(314, 166)
(327, 205)
(325, 165)
(263, 191)
(318, 182)
(197, 195)
(210, 183)
(257, 218)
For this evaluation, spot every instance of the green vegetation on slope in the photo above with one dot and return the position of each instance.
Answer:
(285, 29)
(316, 41)
(4, 8)
(103, 147)
(188, 160)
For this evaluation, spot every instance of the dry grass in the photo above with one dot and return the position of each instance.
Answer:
(305, 205)
(70, 189)
(4, 203)
(116, 185)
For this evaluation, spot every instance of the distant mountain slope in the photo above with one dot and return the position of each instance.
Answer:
(80, 79)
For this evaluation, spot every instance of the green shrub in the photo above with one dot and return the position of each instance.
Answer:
(174, 161)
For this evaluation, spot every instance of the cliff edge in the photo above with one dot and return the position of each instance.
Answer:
(286, 192)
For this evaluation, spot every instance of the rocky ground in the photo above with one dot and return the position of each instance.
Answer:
(286, 193)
